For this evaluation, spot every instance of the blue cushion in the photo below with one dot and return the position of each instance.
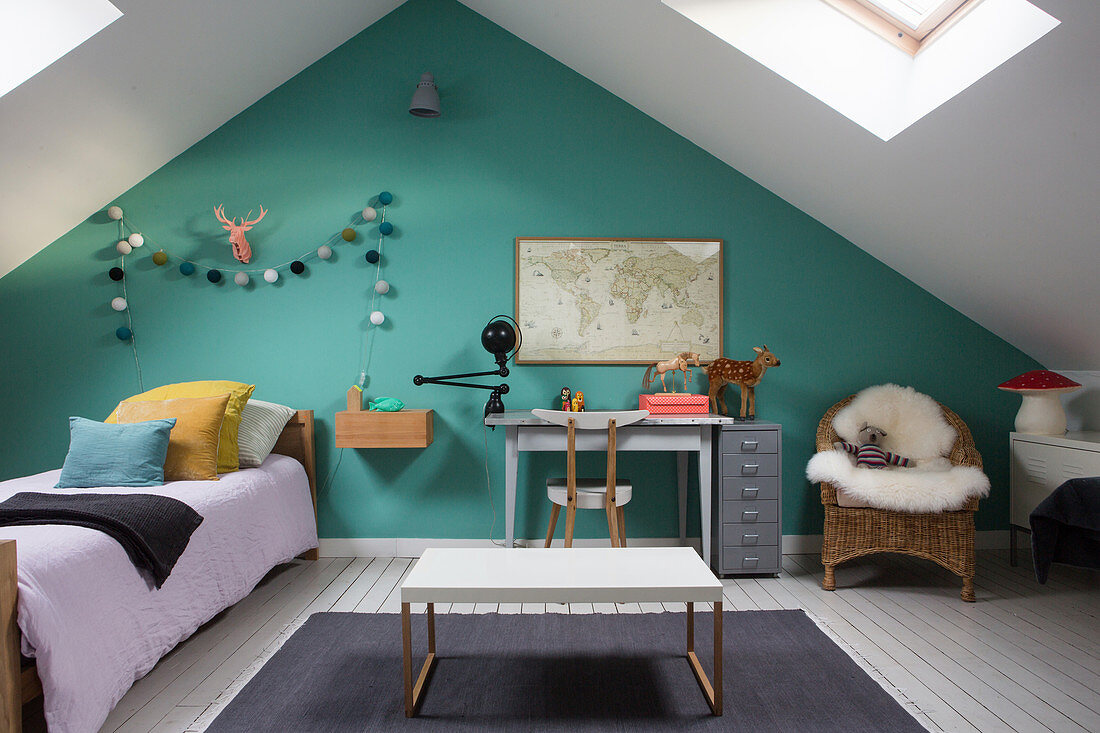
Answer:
(101, 454)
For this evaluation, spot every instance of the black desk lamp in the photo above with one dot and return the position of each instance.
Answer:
(501, 339)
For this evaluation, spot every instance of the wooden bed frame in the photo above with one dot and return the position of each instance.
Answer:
(20, 686)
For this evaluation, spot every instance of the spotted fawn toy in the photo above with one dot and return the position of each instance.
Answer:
(745, 374)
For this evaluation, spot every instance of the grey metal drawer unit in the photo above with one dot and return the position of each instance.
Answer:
(748, 501)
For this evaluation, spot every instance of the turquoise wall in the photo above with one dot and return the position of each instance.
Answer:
(525, 147)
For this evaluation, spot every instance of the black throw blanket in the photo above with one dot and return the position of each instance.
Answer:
(154, 530)
(1065, 527)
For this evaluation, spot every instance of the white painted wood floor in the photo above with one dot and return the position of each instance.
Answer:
(1023, 658)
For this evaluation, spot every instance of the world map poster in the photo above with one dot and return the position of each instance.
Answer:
(626, 301)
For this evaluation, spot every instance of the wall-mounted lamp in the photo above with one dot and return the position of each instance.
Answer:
(425, 101)
(501, 339)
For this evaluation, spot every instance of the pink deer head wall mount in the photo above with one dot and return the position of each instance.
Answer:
(241, 250)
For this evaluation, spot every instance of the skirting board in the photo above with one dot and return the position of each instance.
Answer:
(793, 544)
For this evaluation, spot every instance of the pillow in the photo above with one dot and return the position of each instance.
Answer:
(193, 445)
(115, 455)
(238, 396)
(261, 425)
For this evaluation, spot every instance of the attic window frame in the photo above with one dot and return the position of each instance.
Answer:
(876, 19)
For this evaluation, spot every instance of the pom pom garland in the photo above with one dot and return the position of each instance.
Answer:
(385, 229)
(116, 274)
(187, 269)
(118, 304)
(160, 258)
(381, 287)
(241, 278)
(124, 247)
(114, 213)
(372, 256)
(348, 234)
(324, 251)
(123, 333)
(385, 198)
(377, 318)
(135, 240)
(297, 267)
(369, 214)
(271, 275)
(214, 275)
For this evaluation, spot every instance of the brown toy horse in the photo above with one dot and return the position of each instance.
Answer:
(745, 374)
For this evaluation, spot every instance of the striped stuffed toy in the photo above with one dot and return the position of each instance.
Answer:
(869, 454)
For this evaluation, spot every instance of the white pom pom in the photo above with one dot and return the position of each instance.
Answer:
(241, 278)
(114, 213)
(369, 214)
(271, 275)
(124, 247)
(324, 251)
(376, 317)
(135, 240)
(381, 287)
(119, 304)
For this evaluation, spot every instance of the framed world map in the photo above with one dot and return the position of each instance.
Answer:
(618, 301)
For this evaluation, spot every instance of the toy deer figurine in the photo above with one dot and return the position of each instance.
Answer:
(745, 374)
(241, 250)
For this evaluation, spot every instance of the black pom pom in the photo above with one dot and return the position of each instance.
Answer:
(297, 267)
(372, 256)
(116, 273)
(214, 276)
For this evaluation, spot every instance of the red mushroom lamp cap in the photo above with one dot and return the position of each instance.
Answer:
(1039, 380)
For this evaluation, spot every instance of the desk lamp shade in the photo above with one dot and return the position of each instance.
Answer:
(1041, 411)
(425, 101)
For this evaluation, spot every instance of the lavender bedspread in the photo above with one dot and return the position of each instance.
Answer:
(95, 624)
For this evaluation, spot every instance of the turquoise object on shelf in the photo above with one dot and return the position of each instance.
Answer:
(385, 404)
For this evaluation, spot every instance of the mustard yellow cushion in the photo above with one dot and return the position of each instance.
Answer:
(193, 442)
(239, 393)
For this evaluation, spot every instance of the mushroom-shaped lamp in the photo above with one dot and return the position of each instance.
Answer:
(1041, 412)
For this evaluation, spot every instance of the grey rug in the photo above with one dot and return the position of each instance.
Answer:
(549, 672)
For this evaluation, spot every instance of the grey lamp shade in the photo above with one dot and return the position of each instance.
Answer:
(425, 101)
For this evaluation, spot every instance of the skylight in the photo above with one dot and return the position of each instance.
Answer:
(36, 33)
(877, 85)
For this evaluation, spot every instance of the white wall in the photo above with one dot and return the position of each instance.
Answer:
(1083, 406)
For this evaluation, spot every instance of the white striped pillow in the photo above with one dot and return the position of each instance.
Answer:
(261, 425)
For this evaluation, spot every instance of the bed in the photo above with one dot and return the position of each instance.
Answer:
(93, 625)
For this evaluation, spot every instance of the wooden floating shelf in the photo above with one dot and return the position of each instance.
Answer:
(403, 429)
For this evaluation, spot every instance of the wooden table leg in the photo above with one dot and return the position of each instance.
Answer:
(414, 694)
(712, 693)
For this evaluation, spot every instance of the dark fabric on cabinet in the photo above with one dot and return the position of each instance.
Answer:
(154, 530)
(1065, 527)
(341, 672)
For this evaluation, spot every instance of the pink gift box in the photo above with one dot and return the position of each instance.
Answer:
(670, 404)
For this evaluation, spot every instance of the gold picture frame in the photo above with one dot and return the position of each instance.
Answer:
(650, 297)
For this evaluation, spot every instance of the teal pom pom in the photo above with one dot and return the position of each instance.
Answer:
(385, 228)
(385, 198)
(187, 269)
(123, 333)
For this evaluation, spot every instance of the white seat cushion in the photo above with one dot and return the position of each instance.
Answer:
(590, 492)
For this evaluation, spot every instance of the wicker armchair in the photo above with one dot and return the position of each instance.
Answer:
(946, 538)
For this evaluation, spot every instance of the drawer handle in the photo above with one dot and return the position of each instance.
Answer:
(751, 560)
(746, 443)
(750, 515)
(750, 539)
(750, 468)
(750, 492)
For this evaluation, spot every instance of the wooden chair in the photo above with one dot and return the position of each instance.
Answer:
(946, 538)
(610, 494)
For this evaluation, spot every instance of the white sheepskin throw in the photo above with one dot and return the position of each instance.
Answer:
(916, 429)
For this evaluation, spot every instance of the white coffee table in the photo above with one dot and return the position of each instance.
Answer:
(559, 575)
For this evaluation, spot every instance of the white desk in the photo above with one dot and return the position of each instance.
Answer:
(578, 575)
(682, 434)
